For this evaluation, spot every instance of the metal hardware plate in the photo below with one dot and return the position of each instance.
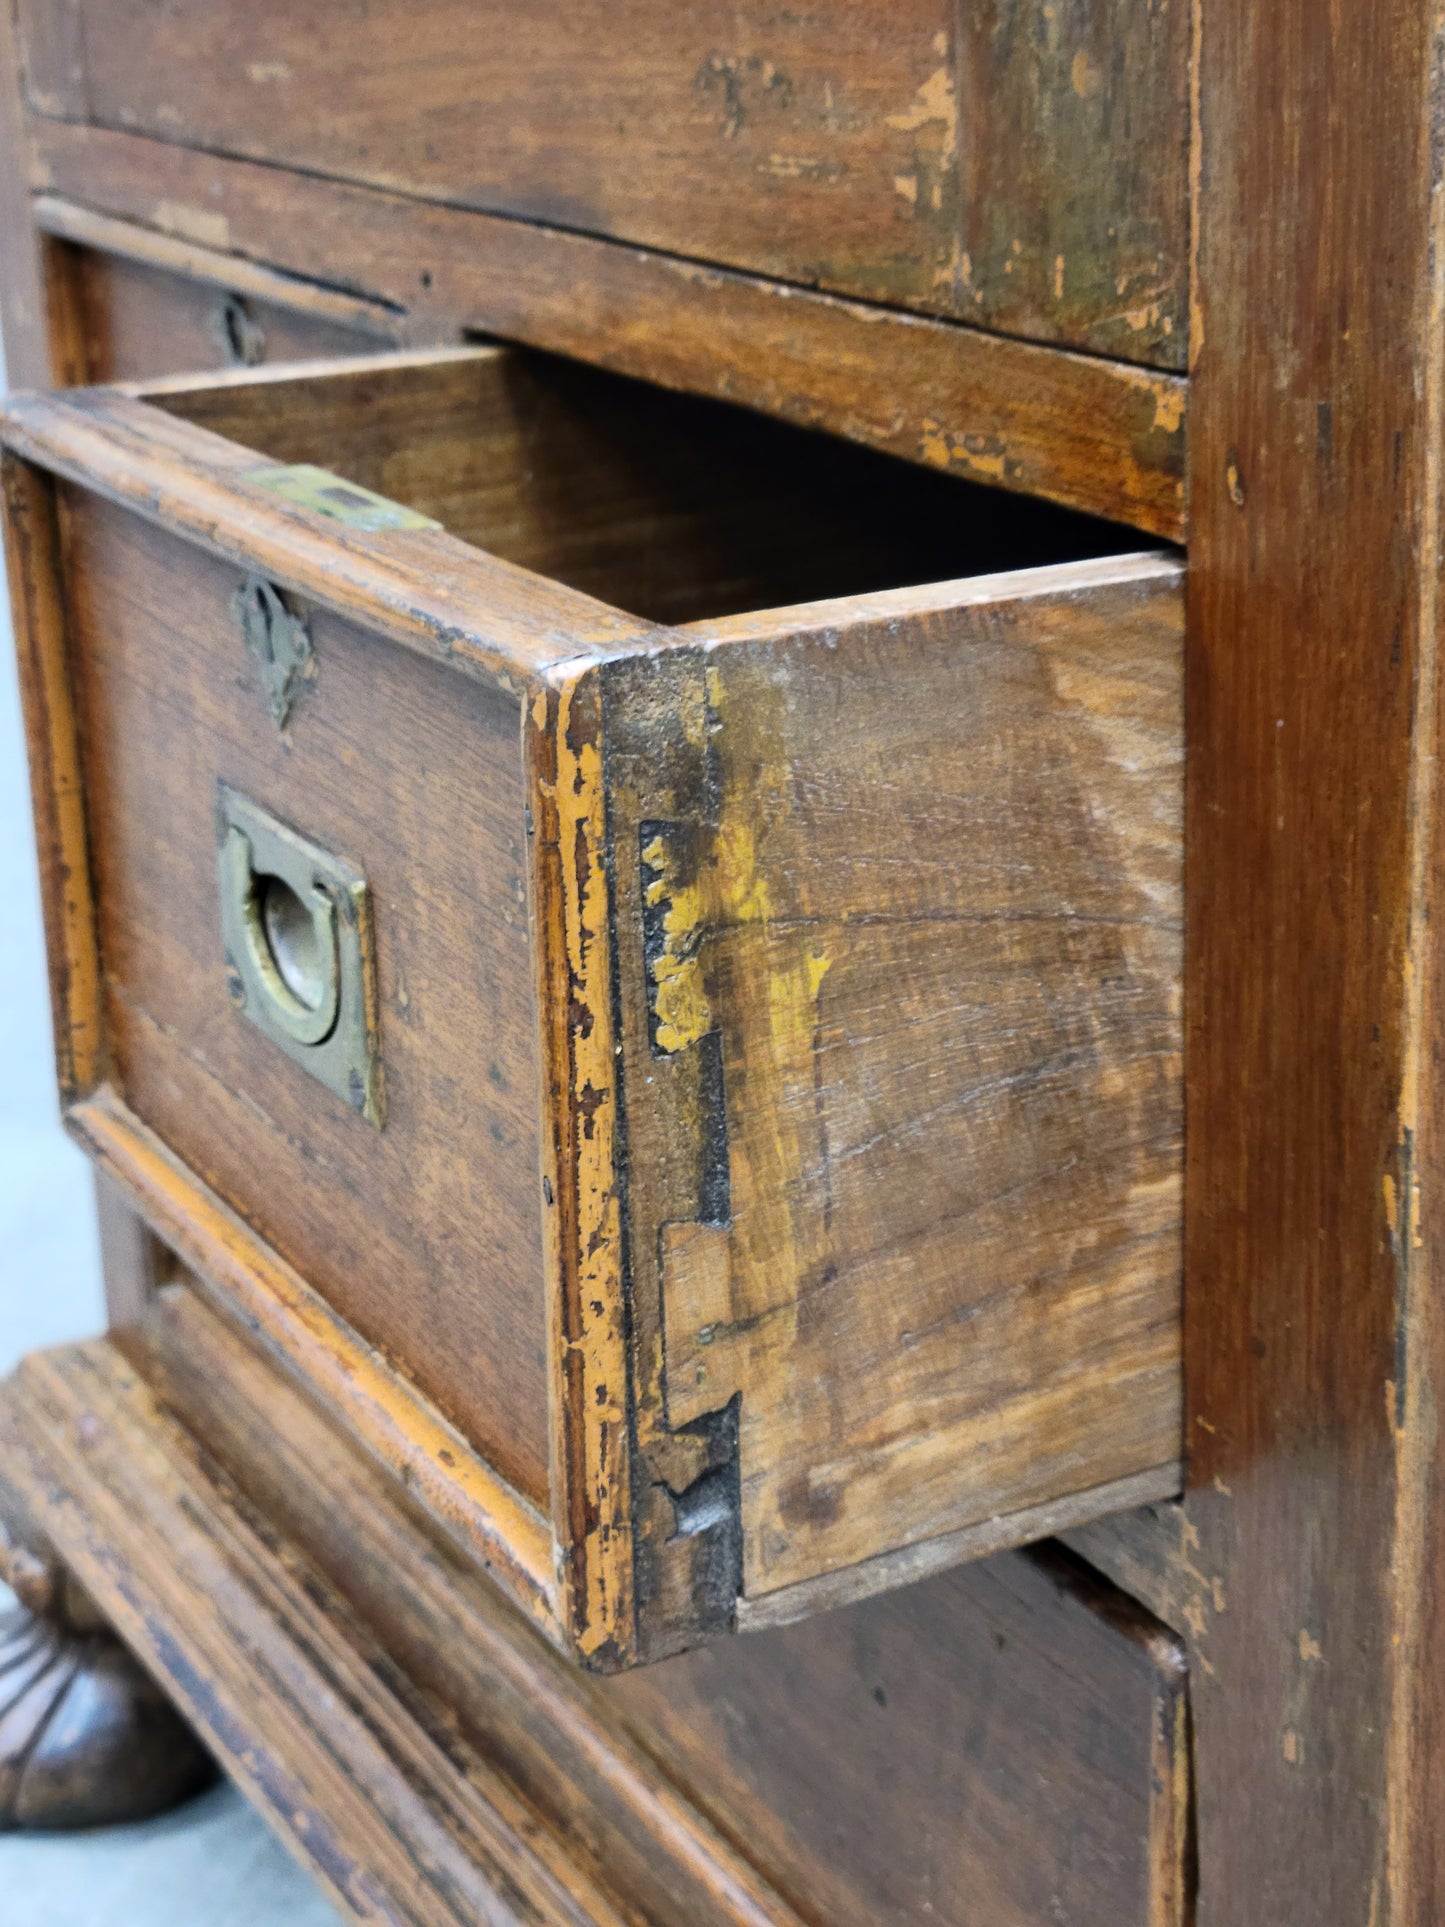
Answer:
(318, 489)
(279, 641)
(300, 962)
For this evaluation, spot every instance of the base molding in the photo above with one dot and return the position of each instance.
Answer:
(369, 1775)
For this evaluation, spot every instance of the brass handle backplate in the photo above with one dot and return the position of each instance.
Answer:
(296, 925)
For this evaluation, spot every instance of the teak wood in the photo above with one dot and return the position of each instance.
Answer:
(1020, 167)
(855, 942)
(804, 1775)
(1098, 434)
(864, 237)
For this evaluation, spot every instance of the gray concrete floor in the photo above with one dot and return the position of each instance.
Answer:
(214, 1863)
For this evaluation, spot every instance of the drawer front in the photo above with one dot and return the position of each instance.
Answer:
(1013, 164)
(427, 1234)
(129, 320)
(723, 1067)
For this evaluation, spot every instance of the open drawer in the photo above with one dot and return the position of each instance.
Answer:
(696, 1090)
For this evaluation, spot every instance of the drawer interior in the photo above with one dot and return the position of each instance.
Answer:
(673, 508)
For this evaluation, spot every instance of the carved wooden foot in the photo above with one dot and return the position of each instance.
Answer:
(87, 1739)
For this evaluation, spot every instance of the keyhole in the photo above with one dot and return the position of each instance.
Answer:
(242, 336)
(291, 937)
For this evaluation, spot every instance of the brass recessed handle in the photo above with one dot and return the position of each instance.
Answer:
(287, 959)
(296, 925)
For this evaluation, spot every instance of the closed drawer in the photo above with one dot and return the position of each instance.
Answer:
(697, 1088)
(1017, 166)
(137, 320)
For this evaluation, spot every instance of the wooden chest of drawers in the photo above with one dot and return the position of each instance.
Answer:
(624, 952)
(796, 1209)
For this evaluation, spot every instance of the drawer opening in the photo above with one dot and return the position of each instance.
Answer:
(670, 507)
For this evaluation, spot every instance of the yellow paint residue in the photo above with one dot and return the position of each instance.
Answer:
(679, 999)
(1169, 406)
(934, 445)
(599, 1340)
(742, 893)
(946, 450)
(192, 223)
(935, 104)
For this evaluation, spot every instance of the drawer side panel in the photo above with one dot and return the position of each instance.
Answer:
(899, 893)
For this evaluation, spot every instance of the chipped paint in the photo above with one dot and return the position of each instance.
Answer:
(681, 1012)
(198, 224)
(985, 456)
(906, 185)
(934, 105)
(1086, 76)
(595, 1346)
(1169, 400)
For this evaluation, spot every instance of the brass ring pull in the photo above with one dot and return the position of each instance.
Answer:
(288, 959)
(296, 926)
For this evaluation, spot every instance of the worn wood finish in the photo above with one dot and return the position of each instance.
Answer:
(531, 1713)
(432, 807)
(31, 541)
(394, 1818)
(668, 506)
(965, 1750)
(23, 317)
(731, 1788)
(1096, 434)
(726, 1335)
(1019, 166)
(300, 302)
(381, 1409)
(135, 319)
(1314, 1188)
(861, 1188)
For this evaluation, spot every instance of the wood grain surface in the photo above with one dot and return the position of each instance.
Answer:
(23, 317)
(665, 505)
(397, 1820)
(34, 569)
(1023, 167)
(1004, 1743)
(174, 1219)
(134, 319)
(872, 1261)
(425, 1236)
(1313, 1330)
(1102, 435)
(897, 889)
